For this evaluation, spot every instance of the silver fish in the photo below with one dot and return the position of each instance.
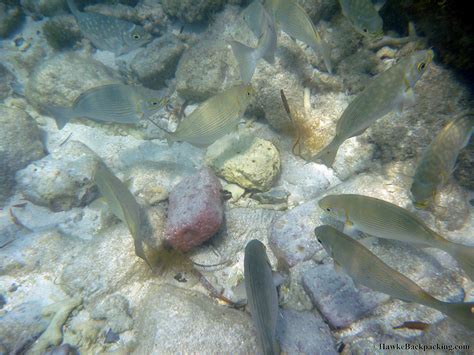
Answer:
(390, 90)
(385, 220)
(214, 118)
(363, 17)
(261, 295)
(248, 57)
(110, 33)
(122, 204)
(111, 103)
(437, 163)
(367, 269)
(294, 20)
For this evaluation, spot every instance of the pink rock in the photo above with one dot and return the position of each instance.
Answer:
(195, 211)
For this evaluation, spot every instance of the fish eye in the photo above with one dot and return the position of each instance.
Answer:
(365, 30)
(328, 209)
(154, 103)
(136, 36)
(421, 66)
(320, 241)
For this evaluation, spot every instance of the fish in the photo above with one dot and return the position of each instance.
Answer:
(214, 118)
(248, 57)
(416, 325)
(365, 268)
(385, 220)
(364, 17)
(261, 295)
(253, 16)
(294, 20)
(438, 161)
(122, 204)
(118, 103)
(390, 90)
(110, 33)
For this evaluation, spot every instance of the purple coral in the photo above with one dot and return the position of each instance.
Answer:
(195, 211)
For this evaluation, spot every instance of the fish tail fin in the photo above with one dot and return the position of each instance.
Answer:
(72, 7)
(463, 312)
(463, 254)
(246, 58)
(328, 155)
(61, 115)
(322, 47)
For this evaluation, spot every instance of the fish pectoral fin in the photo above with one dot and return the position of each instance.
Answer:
(350, 229)
(409, 97)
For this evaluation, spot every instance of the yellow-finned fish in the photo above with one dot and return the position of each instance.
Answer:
(437, 163)
(385, 220)
(388, 91)
(294, 20)
(109, 33)
(363, 16)
(214, 118)
(122, 204)
(367, 269)
(261, 295)
(118, 103)
(248, 57)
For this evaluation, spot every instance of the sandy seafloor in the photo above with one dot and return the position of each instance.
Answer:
(67, 263)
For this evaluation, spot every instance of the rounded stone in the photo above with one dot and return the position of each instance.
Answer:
(20, 144)
(61, 79)
(61, 180)
(247, 161)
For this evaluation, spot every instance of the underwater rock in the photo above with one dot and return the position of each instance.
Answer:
(357, 69)
(61, 180)
(20, 144)
(195, 211)
(272, 196)
(287, 74)
(151, 182)
(245, 160)
(35, 252)
(6, 79)
(158, 61)
(336, 297)
(64, 349)
(61, 79)
(53, 335)
(439, 97)
(21, 326)
(115, 309)
(40, 8)
(291, 236)
(194, 10)
(209, 67)
(10, 19)
(106, 264)
(303, 181)
(292, 333)
(62, 32)
(202, 69)
(197, 325)
(451, 206)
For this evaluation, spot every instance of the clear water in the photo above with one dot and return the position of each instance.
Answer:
(114, 240)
